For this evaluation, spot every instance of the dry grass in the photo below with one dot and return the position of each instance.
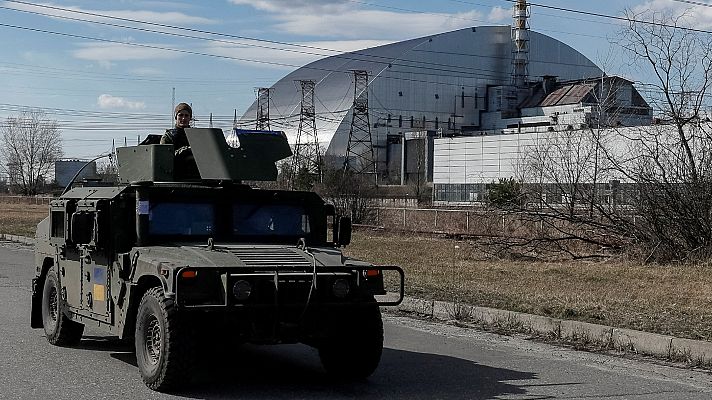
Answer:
(21, 219)
(667, 299)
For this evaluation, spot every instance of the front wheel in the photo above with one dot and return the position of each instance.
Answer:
(163, 347)
(353, 350)
(60, 330)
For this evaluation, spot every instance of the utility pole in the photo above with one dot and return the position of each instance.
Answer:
(359, 151)
(263, 109)
(306, 149)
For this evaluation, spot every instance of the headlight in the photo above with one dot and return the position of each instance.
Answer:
(241, 290)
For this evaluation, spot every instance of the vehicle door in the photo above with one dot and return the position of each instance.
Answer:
(91, 235)
(67, 254)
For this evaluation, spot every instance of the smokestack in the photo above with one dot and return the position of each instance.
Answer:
(520, 39)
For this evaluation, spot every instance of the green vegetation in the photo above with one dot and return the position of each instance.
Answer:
(506, 193)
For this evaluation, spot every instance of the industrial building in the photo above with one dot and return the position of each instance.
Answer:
(480, 84)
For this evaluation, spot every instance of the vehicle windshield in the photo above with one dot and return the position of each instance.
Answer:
(187, 219)
(248, 220)
(269, 219)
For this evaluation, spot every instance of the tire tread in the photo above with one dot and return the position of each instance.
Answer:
(177, 357)
(66, 332)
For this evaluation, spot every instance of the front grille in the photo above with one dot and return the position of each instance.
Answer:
(271, 257)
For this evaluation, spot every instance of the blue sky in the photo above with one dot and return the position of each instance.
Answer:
(113, 78)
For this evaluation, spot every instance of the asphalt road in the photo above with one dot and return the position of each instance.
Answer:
(421, 361)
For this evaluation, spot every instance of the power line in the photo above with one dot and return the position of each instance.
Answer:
(348, 56)
(694, 3)
(618, 18)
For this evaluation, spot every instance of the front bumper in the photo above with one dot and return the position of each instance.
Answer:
(284, 289)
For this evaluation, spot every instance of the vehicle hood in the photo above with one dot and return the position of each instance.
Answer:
(240, 256)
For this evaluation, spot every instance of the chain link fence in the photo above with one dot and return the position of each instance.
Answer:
(450, 221)
(37, 200)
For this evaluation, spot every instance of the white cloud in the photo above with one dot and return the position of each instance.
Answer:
(108, 52)
(304, 6)
(148, 71)
(346, 19)
(170, 17)
(499, 14)
(695, 16)
(112, 102)
(300, 56)
(375, 24)
(106, 64)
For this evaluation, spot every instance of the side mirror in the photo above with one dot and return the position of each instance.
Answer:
(82, 227)
(344, 233)
(329, 209)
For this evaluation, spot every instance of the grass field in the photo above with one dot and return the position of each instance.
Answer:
(667, 299)
(21, 219)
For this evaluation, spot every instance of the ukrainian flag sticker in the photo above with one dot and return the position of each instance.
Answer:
(99, 279)
(99, 294)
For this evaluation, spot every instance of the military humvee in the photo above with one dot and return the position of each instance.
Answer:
(168, 263)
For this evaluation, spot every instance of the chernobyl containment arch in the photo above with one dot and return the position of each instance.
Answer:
(448, 84)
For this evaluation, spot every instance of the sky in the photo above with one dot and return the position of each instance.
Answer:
(109, 72)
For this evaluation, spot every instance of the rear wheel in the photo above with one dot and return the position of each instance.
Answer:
(60, 330)
(353, 348)
(163, 347)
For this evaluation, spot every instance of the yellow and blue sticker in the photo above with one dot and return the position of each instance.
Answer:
(99, 279)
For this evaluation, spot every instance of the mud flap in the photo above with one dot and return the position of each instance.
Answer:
(36, 309)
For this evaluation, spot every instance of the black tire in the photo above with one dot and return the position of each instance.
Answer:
(353, 351)
(163, 345)
(60, 330)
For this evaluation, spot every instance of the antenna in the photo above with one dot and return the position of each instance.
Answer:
(173, 104)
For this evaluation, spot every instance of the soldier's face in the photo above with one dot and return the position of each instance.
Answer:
(183, 119)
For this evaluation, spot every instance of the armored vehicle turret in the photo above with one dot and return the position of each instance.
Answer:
(165, 260)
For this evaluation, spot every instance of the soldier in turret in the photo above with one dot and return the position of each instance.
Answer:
(185, 167)
(183, 115)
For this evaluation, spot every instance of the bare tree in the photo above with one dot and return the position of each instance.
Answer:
(680, 59)
(351, 193)
(566, 174)
(31, 144)
(671, 161)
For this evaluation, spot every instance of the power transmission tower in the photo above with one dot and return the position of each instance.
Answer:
(263, 109)
(359, 151)
(307, 157)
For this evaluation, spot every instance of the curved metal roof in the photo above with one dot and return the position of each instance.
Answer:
(438, 78)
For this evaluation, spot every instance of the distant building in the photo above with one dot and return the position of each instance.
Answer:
(456, 109)
(606, 101)
(64, 171)
(435, 83)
